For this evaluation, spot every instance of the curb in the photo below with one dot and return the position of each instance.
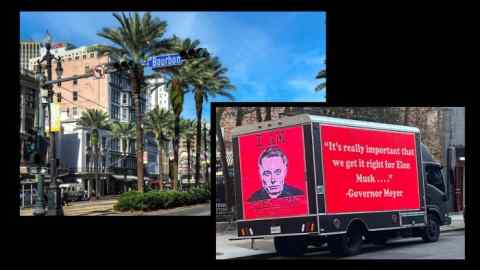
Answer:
(257, 256)
(453, 229)
(222, 227)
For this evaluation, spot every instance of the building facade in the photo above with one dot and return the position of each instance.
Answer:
(112, 94)
(28, 50)
(29, 89)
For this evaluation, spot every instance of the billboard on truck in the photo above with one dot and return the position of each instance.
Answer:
(272, 174)
(369, 170)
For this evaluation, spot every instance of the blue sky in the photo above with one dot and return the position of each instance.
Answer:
(270, 56)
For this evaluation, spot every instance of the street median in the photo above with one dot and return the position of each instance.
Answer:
(155, 200)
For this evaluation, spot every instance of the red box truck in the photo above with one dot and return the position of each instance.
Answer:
(309, 180)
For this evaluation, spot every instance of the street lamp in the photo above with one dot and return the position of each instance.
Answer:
(39, 207)
(54, 200)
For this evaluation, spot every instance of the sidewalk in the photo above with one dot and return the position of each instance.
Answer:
(457, 223)
(227, 249)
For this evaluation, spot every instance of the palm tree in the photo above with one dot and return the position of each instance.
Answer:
(258, 113)
(322, 74)
(205, 148)
(268, 113)
(160, 123)
(178, 84)
(136, 39)
(94, 121)
(124, 132)
(209, 81)
(187, 132)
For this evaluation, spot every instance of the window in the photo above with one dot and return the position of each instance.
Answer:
(104, 142)
(92, 55)
(87, 162)
(124, 98)
(124, 114)
(115, 145)
(434, 177)
(131, 146)
(74, 111)
(84, 56)
(77, 57)
(88, 139)
(115, 112)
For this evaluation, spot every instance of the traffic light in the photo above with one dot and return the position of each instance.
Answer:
(59, 97)
(75, 95)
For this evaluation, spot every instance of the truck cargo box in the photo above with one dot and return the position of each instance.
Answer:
(315, 175)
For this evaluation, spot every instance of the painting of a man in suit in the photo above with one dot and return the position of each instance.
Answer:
(273, 167)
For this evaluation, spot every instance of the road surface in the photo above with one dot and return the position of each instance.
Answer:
(451, 245)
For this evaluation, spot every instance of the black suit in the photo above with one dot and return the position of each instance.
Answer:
(287, 191)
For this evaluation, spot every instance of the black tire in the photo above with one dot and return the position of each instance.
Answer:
(290, 246)
(431, 233)
(347, 244)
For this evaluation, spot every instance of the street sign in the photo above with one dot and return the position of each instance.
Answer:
(164, 60)
(99, 72)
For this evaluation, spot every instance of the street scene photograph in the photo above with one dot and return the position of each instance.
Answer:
(339, 183)
(115, 106)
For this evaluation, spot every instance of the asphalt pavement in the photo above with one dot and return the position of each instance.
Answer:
(451, 244)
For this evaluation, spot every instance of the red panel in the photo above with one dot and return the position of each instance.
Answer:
(369, 170)
(274, 185)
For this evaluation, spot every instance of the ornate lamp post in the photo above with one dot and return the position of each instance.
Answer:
(38, 158)
(54, 196)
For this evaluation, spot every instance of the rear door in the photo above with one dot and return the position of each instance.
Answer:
(272, 190)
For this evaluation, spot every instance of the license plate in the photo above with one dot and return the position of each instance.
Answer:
(275, 229)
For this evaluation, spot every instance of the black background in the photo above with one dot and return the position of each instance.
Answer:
(379, 53)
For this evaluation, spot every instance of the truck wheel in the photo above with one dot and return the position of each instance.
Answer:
(290, 246)
(431, 232)
(346, 244)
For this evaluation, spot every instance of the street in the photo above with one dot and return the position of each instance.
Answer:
(105, 208)
(451, 245)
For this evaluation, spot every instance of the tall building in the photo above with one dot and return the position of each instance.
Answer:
(111, 94)
(158, 94)
(28, 105)
(28, 50)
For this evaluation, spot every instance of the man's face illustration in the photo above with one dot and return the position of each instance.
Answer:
(273, 171)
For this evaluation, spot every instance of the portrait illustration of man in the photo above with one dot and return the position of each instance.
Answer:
(273, 167)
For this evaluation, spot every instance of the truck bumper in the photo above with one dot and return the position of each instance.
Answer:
(277, 227)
